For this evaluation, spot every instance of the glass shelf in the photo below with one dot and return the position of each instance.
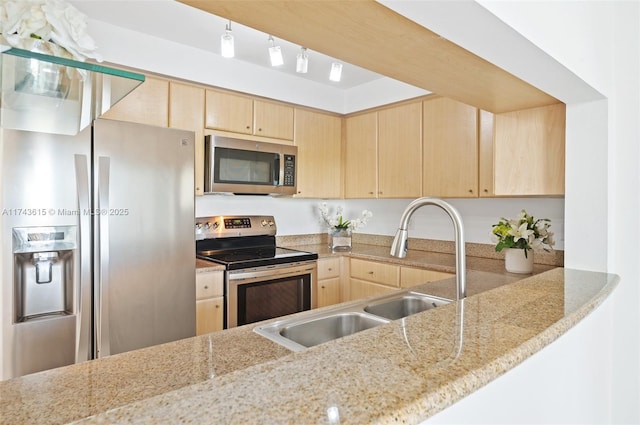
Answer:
(50, 94)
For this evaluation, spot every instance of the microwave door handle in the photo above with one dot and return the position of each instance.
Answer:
(278, 171)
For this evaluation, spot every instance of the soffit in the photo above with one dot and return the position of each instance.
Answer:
(370, 35)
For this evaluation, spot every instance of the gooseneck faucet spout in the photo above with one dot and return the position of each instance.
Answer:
(399, 245)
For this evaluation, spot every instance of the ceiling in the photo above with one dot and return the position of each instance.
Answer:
(180, 23)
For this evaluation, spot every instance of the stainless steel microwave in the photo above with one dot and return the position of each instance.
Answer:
(249, 167)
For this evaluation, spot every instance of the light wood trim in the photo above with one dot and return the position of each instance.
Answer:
(367, 28)
(147, 104)
(400, 151)
(386, 274)
(411, 276)
(529, 150)
(450, 160)
(485, 139)
(361, 156)
(208, 131)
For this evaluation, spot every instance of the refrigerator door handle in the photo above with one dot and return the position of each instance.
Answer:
(102, 300)
(83, 324)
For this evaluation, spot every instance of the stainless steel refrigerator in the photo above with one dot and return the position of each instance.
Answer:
(97, 243)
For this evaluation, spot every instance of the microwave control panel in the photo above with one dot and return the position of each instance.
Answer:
(289, 170)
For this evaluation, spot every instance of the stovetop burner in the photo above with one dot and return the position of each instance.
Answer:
(240, 242)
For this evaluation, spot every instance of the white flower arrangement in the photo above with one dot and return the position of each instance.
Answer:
(336, 220)
(24, 22)
(525, 232)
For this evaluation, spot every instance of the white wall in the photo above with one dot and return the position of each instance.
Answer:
(300, 216)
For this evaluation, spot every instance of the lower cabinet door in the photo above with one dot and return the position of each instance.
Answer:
(328, 292)
(209, 315)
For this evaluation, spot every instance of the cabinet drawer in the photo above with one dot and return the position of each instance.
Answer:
(209, 284)
(410, 276)
(359, 289)
(387, 274)
(328, 268)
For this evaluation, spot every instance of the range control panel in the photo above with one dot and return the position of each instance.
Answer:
(224, 226)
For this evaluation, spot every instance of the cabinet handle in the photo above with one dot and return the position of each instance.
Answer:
(259, 129)
(370, 193)
(217, 306)
(486, 191)
(330, 269)
(370, 272)
(206, 286)
(248, 127)
(322, 287)
(470, 190)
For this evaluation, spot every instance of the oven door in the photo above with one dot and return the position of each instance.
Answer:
(267, 292)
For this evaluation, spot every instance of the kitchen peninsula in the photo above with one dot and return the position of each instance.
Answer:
(406, 370)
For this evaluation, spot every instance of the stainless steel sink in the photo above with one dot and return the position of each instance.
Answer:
(405, 305)
(328, 328)
(305, 330)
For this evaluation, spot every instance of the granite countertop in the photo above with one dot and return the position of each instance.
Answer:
(406, 370)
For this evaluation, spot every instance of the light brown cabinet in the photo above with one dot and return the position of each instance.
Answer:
(450, 137)
(209, 302)
(383, 153)
(361, 156)
(186, 111)
(329, 281)
(411, 276)
(147, 104)
(400, 151)
(319, 140)
(369, 278)
(245, 115)
(528, 152)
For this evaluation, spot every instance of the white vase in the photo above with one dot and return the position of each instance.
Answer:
(516, 262)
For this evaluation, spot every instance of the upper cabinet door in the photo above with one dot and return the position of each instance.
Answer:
(450, 167)
(229, 112)
(272, 120)
(400, 151)
(186, 111)
(319, 140)
(529, 151)
(361, 156)
(147, 104)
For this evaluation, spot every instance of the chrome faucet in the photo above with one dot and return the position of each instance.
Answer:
(399, 245)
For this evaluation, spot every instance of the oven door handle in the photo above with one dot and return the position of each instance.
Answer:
(276, 272)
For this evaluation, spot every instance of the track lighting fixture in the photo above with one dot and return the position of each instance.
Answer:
(302, 61)
(275, 54)
(336, 71)
(226, 43)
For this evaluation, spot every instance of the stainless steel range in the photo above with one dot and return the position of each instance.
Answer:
(262, 281)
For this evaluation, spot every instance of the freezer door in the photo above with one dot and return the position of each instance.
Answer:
(144, 273)
(44, 190)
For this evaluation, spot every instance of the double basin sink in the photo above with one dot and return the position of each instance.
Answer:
(300, 333)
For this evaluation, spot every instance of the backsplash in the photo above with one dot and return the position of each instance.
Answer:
(553, 258)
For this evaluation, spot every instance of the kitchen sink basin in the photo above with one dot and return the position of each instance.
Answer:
(405, 305)
(328, 328)
(311, 328)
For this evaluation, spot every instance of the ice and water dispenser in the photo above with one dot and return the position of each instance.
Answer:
(43, 271)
